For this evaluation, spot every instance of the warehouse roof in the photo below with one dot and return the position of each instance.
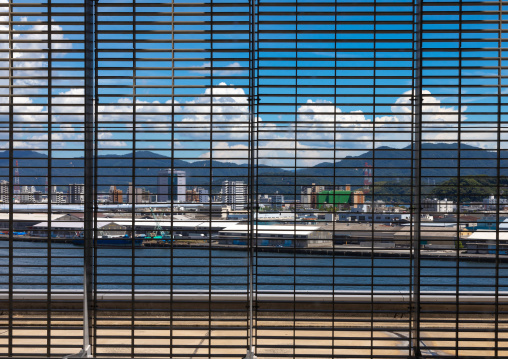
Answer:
(488, 236)
(31, 217)
(272, 229)
(149, 223)
(169, 224)
(69, 225)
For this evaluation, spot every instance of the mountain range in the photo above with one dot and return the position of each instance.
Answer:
(439, 163)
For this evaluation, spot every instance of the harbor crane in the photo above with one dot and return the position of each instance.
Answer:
(158, 228)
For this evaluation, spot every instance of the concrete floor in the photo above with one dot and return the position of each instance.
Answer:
(190, 339)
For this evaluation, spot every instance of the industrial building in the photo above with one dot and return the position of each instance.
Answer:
(395, 218)
(65, 229)
(121, 226)
(24, 221)
(367, 234)
(274, 235)
(184, 228)
(335, 198)
(308, 197)
(321, 197)
(487, 242)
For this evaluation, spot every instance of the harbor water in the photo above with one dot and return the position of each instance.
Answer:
(218, 269)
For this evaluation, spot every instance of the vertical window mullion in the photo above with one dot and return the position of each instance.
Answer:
(417, 98)
(11, 181)
(90, 178)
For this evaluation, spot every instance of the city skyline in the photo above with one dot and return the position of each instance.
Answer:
(251, 179)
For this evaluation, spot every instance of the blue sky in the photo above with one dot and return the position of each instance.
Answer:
(293, 123)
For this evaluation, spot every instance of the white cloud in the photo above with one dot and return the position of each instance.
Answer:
(28, 145)
(317, 120)
(111, 144)
(320, 116)
(229, 108)
(236, 153)
(234, 68)
(223, 109)
(35, 40)
(35, 80)
(105, 135)
(432, 110)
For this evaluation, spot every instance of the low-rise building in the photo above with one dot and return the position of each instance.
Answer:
(368, 234)
(490, 223)
(491, 203)
(68, 229)
(277, 235)
(175, 227)
(434, 205)
(487, 242)
(395, 218)
(24, 221)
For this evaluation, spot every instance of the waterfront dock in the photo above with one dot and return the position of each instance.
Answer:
(337, 250)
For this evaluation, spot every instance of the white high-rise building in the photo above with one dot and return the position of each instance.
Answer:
(27, 194)
(171, 184)
(138, 195)
(56, 196)
(234, 194)
(4, 191)
(76, 193)
(204, 196)
(277, 200)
